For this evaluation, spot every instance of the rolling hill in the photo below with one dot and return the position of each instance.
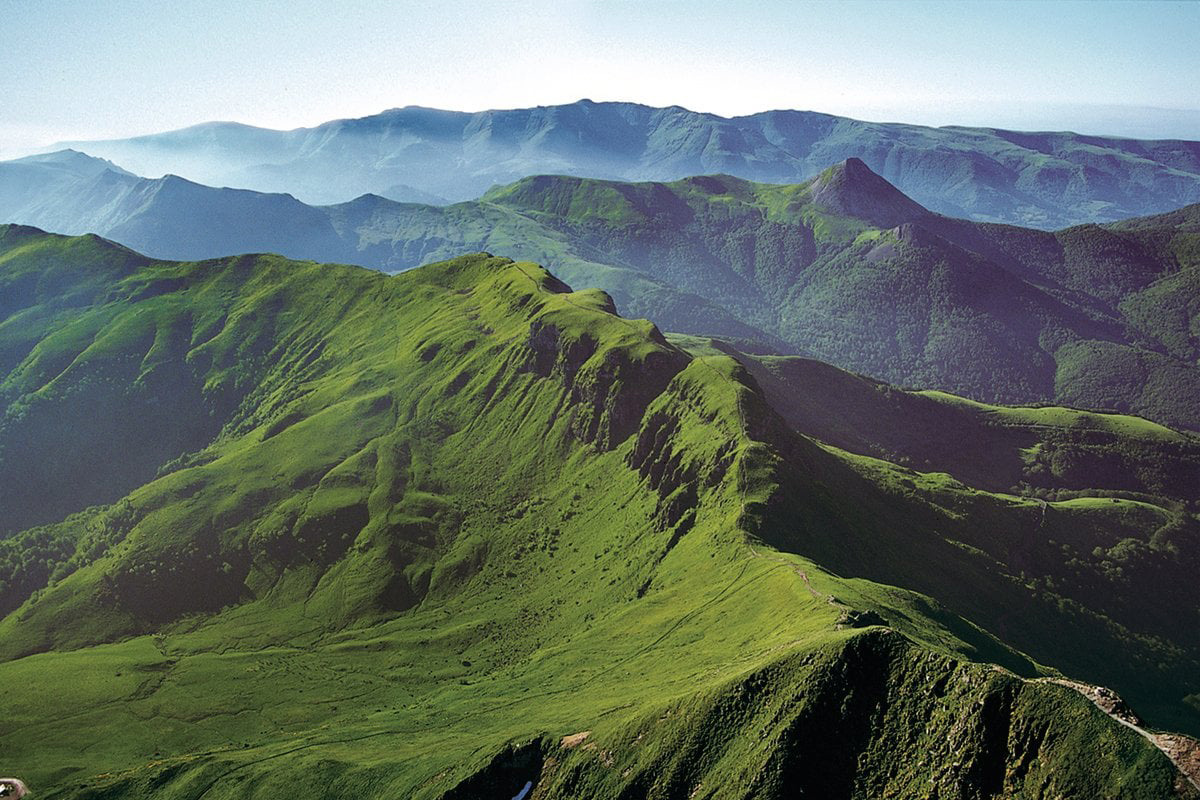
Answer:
(844, 268)
(173, 218)
(847, 269)
(1045, 180)
(1048, 452)
(71, 193)
(463, 530)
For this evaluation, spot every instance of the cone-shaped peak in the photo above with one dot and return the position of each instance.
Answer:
(852, 189)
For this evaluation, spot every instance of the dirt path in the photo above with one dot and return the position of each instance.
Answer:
(804, 577)
(796, 569)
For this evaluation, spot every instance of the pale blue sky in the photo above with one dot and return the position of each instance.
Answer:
(88, 69)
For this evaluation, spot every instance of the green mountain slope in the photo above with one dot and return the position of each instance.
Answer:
(453, 531)
(1041, 179)
(844, 268)
(994, 312)
(1048, 452)
(174, 218)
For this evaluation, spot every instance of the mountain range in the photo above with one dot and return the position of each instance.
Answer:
(844, 268)
(464, 532)
(1044, 180)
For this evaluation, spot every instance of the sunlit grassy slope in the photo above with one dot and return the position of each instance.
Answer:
(307, 525)
(846, 268)
(842, 267)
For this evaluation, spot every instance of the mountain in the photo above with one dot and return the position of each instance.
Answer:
(67, 163)
(1044, 180)
(998, 313)
(174, 218)
(464, 532)
(852, 190)
(77, 194)
(1048, 452)
(844, 268)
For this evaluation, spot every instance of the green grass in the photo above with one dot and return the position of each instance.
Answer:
(1046, 452)
(435, 522)
(842, 267)
(1059, 417)
(820, 268)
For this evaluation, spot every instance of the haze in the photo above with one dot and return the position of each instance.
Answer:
(81, 70)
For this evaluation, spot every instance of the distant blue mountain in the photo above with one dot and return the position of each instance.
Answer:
(1044, 180)
(170, 217)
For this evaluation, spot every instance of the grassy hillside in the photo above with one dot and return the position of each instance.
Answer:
(1092, 317)
(1047, 452)
(174, 218)
(461, 529)
(844, 268)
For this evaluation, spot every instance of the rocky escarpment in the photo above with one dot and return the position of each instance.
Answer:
(609, 387)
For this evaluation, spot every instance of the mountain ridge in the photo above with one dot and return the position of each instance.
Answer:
(391, 460)
(1047, 180)
(998, 313)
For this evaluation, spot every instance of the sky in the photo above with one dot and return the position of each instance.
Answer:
(85, 69)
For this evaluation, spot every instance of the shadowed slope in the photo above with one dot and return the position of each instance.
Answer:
(994, 312)
(851, 189)
(1049, 452)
